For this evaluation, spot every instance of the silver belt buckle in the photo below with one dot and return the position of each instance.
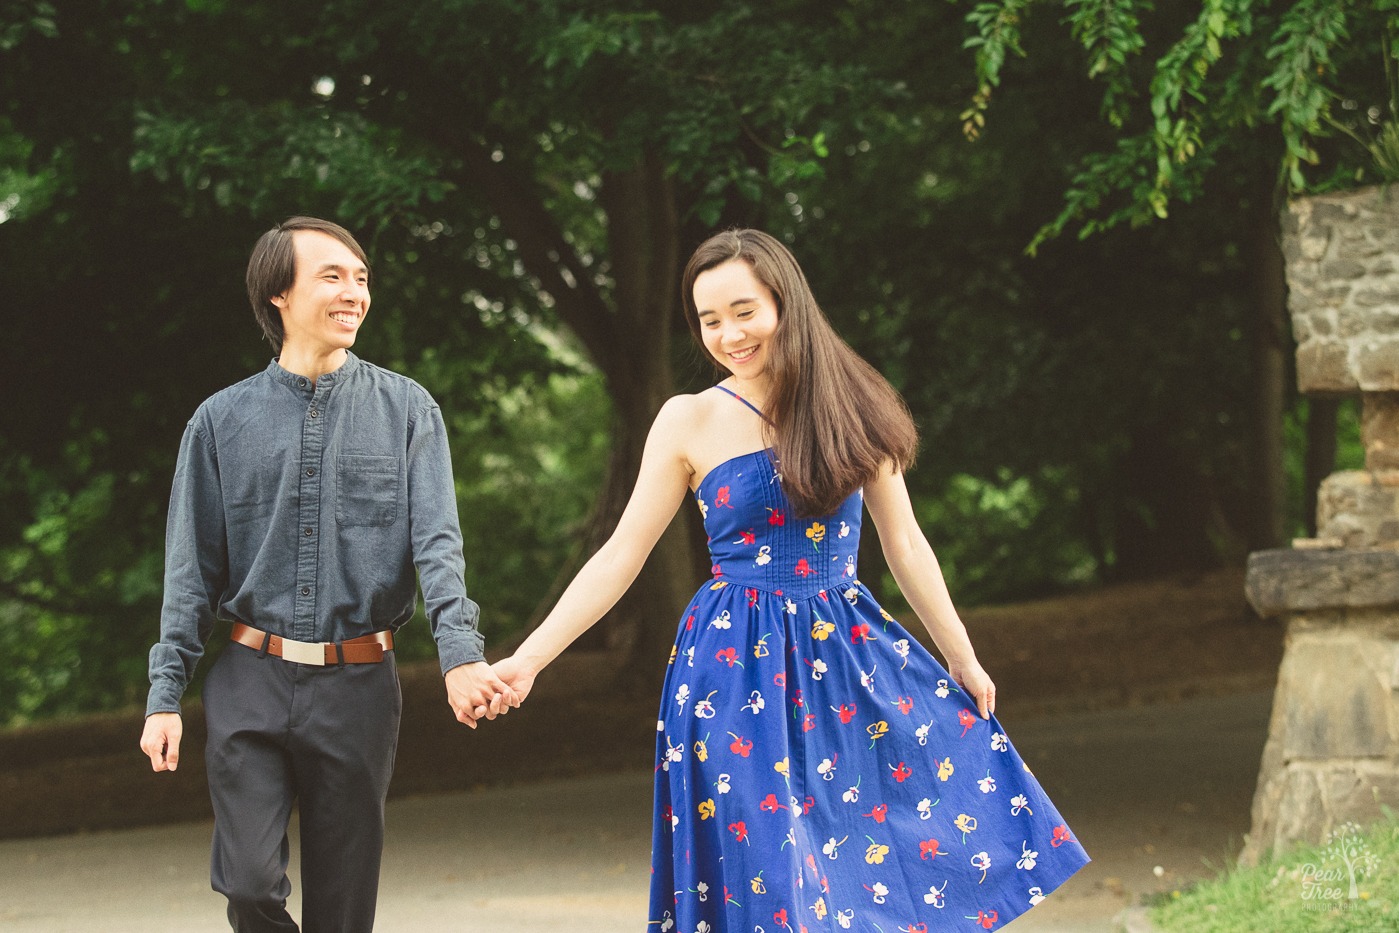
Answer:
(303, 652)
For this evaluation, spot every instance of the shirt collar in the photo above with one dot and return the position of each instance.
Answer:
(301, 383)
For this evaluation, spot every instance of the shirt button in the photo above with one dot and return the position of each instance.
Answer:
(305, 591)
(308, 532)
(310, 471)
(315, 413)
(302, 383)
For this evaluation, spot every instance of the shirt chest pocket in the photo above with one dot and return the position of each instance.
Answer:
(368, 490)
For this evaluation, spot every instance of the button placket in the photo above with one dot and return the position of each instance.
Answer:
(309, 516)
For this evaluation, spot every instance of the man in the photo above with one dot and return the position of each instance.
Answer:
(304, 499)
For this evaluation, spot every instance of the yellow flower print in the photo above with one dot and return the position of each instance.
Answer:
(967, 824)
(760, 650)
(701, 750)
(877, 731)
(817, 532)
(757, 885)
(874, 855)
(820, 908)
(674, 650)
(945, 768)
(782, 767)
(822, 630)
(706, 809)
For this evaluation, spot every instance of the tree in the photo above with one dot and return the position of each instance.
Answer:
(1240, 95)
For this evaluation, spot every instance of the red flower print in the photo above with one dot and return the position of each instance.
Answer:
(780, 918)
(740, 745)
(746, 537)
(811, 862)
(808, 804)
(846, 713)
(797, 703)
(752, 595)
(879, 813)
(740, 831)
(928, 849)
(859, 634)
(716, 570)
(729, 656)
(1061, 836)
(770, 804)
(905, 705)
(901, 773)
(966, 719)
(721, 498)
(780, 679)
(690, 622)
(775, 517)
(986, 919)
(809, 722)
(803, 569)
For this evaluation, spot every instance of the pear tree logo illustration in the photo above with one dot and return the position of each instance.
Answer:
(1346, 861)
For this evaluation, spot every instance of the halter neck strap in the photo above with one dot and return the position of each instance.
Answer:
(745, 401)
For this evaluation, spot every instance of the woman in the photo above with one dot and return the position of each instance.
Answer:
(816, 768)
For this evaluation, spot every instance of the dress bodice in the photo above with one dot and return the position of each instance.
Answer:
(756, 540)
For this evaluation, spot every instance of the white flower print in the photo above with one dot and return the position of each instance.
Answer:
(981, 860)
(704, 926)
(704, 709)
(832, 847)
(844, 530)
(1027, 857)
(703, 890)
(721, 621)
(682, 696)
(667, 924)
(704, 509)
(852, 795)
(791, 607)
(987, 784)
(942, 691)
(755, 703)
(999, 742)
(673, 753)
(723, 783)
(844, 917)
(818, 669)
(852, 595)
(1018, 803)
(935, 896)
(879, 890)
(867, 680)
(850, 568)
(827, 767)
(1036, 895)
(925, 809)
(764, 556)
(901, 648)
(922, 733)
(690, 656)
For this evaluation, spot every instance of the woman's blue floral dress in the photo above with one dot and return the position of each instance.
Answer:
(816, 767)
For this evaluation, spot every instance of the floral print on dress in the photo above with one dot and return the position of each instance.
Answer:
(816, 768)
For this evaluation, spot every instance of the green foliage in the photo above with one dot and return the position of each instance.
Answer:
(1235, 68)
(1306, 890)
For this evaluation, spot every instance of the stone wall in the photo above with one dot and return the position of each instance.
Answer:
(1342, 255)
(1332, 754)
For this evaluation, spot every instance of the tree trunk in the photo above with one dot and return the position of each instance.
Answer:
(1321, 453)
(1270, 346)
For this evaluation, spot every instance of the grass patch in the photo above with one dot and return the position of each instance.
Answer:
(1303, 891)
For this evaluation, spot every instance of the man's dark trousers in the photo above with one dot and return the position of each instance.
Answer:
(323, 737)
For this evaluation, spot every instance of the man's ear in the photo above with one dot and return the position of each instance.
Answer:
(279, 300)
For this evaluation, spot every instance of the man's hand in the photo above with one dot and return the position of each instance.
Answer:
(474, 691)
(516, 675)
(160, 740)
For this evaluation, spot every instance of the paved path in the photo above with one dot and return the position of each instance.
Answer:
(1158, 795)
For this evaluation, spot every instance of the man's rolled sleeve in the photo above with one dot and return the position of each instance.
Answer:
(435, 534)
(196, 571)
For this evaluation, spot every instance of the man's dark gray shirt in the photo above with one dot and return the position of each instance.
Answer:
(303, 509)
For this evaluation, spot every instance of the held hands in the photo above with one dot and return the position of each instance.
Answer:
(160, 740)
(974, 679)
(516, 675)
(474, 691)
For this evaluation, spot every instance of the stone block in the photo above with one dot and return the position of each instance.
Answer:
(1337, 705)
(1342, 269)
(1285, 580)
(1384, 321)
(1324, 367)
(1376, 365)
(1379, 430)
(1351, 323)
(1377, 296)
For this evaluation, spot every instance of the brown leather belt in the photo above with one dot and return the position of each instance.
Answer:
(366, 649)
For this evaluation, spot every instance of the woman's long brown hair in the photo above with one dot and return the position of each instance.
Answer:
(833, 420)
